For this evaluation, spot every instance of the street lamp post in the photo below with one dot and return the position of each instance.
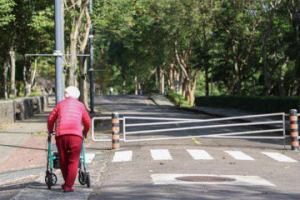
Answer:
(58, 51)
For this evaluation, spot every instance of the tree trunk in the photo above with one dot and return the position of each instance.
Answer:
(72, 62)
(136, 85)
(181, 83)
(206, 82)
(281, 80)
(25, 74)
(157, 85)
(82, 78)
(264, 48)
(81, 6)
(33, 74)
(5, 75)
(194, 87)
(124, 87)
(236, 84)
(171, 76)
(176, 80)
(84, 83)
(187, 90)
(82, 41)
(192, 93)
(161, 81)
(265, 67)
(12, 54)
(184, 88)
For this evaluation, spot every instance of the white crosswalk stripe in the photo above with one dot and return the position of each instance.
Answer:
(196, 154)
(199, 154)
(238, 155)
(279, 157)
(161, 154)
(89, 157)
(123, 156)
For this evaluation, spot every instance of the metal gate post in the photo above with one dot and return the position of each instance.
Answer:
(294, 130)
(115, 131)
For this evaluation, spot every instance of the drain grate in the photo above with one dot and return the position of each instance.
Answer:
(204, 179)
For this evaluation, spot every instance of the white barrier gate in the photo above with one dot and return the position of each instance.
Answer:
(234, 135)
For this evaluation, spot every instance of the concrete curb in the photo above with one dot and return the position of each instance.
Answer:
(10, 177)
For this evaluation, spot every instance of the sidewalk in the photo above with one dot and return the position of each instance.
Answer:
(23, 147)
(161, 100)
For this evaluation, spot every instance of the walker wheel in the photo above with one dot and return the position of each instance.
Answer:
(88, 180)
(81, 177)
(50, 179)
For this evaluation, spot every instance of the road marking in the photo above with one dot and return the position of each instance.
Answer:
(161, 154)
(89, 157)
(238, 155)
(170, 179)
(123, 156)
(279, 157)
(195, 140)
(200, 154)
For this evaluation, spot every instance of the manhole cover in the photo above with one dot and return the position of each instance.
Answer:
(204, 179)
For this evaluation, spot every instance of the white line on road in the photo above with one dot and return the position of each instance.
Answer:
(200, 154)
(89, 157)
(161, 154)
(279, 157)
(170, 179)
(238, 155)
(123, 156)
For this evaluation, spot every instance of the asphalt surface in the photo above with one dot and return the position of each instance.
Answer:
(143, 176)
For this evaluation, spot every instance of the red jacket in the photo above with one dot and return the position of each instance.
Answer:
(70, 113)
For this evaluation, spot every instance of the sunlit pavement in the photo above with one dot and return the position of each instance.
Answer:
(154, 170)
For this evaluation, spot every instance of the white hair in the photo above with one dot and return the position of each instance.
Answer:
(73, 92)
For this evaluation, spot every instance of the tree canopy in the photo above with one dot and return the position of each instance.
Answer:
(193, 47)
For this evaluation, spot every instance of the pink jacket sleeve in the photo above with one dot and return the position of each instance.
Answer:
(86, 120)
(52, 118)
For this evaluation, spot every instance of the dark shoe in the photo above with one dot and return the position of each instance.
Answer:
(63, 186)
(68, 189)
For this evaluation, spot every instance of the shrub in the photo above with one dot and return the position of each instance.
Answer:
(251, 103)
(178, 99)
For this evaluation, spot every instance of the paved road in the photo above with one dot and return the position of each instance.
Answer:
(226, 169)
(148, 170)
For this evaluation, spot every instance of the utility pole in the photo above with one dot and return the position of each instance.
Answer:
(58, 51)
(91, 36)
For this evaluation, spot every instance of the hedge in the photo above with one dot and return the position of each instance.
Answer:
(251, 103)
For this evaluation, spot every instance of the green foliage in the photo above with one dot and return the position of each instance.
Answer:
(241, 47)
(178, 99)
(251, 103)
(6, 8)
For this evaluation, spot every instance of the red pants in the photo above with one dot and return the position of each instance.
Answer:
(69, 148)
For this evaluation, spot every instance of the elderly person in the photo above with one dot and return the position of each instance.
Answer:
(70, 114)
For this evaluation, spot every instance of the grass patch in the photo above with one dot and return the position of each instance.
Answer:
(177, 99)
